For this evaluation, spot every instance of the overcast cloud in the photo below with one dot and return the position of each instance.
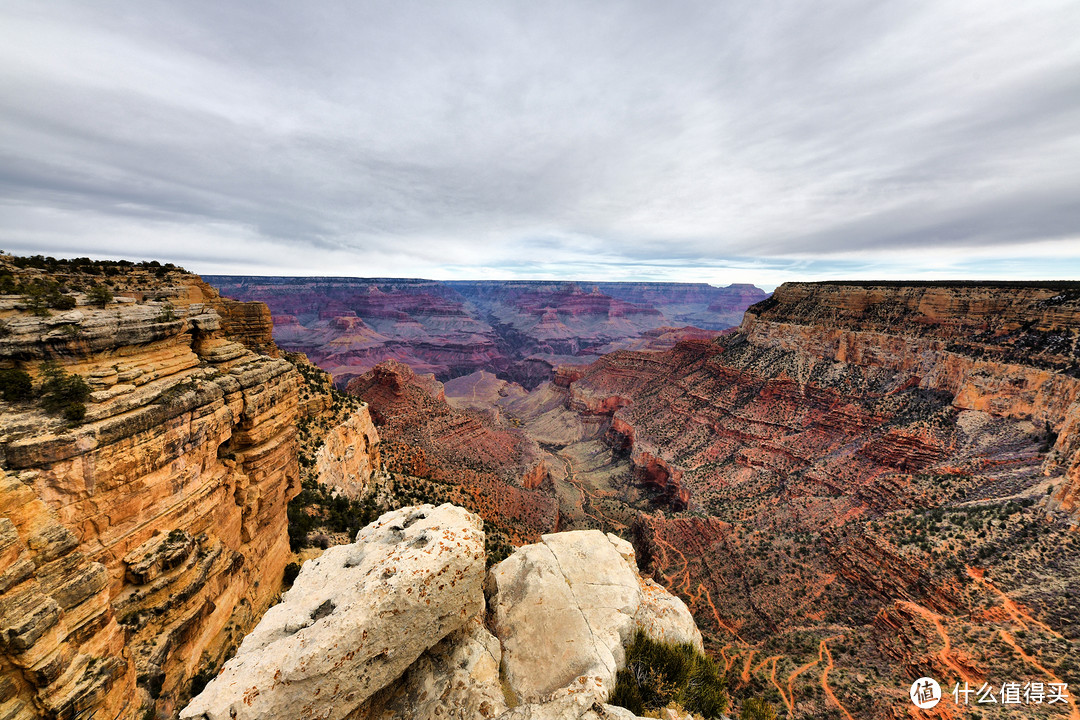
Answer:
(717, 141)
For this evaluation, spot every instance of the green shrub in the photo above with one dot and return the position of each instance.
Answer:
(64, 394)
(316, 506)
(16, 385)
(8, 284)
(63, 302)
(100, 295)
(757, 709)
(41, 294)
(658, 674)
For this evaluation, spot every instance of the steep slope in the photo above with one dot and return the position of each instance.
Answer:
(494, 471)
(138, 544)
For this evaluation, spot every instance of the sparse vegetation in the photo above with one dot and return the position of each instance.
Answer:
(16, 385)
(84, 264)
(757, 709)
(100, 295)
(658, 674)
(167, 314)
(317, 506)
(64, 394)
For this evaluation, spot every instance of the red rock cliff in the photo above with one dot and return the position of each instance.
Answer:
(141, 544)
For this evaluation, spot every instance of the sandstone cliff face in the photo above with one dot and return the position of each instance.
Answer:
(349, 456)
(401, 625)
(1008, 349)
(140, 545)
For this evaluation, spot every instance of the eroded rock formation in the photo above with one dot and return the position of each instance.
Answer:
(140, 544)
(520, 330)
(497, 469)
(829, 486)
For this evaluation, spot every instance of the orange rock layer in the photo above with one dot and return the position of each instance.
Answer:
(141, 545)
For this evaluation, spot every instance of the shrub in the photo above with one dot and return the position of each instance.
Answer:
(63, 302)
(100, 295)
(8, 285)
(41, 294)
(658, 674)
(16, 385)
(757, 709)
(64, 394)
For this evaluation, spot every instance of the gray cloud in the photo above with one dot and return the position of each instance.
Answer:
(476, 139)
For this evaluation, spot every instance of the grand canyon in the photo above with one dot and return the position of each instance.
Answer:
(332, 497)
(521, 330)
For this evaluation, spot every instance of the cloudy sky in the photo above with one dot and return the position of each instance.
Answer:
(743, 140)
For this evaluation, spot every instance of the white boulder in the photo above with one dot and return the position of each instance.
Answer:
(355, 619)
(564, 609)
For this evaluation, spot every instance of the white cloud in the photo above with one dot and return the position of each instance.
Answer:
(634, 140)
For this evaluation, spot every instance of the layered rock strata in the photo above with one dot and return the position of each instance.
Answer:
(394, 626)
(833, 484)
(499, 470)
(521, 330)
(139, 545)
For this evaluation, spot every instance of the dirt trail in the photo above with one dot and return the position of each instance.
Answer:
(716, 615)
(1017, 613)
(823, 648)
(765, 662)
(587, 497)
(946, 650)
(1074, 709)
(744, 677)
(791, 679)
(785, 698)
(728, 662)
(684, 585)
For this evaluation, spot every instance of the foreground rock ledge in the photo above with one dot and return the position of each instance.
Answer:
(355, 619)
(394, 627)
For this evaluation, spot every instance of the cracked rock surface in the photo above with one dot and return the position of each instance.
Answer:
(355, 619)
(564, 608)
(394, 627)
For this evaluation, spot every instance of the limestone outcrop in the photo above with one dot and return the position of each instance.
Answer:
(565, 607)
(402, 625)
(355, 619)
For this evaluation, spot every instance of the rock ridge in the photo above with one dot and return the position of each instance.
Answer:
(138, 546)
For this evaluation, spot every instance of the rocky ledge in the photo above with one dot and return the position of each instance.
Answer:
(407, 623)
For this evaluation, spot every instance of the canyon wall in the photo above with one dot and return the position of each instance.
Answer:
(864, 484)
(520, 330)
(1011, 350)
(137, 546)
(495, 471)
